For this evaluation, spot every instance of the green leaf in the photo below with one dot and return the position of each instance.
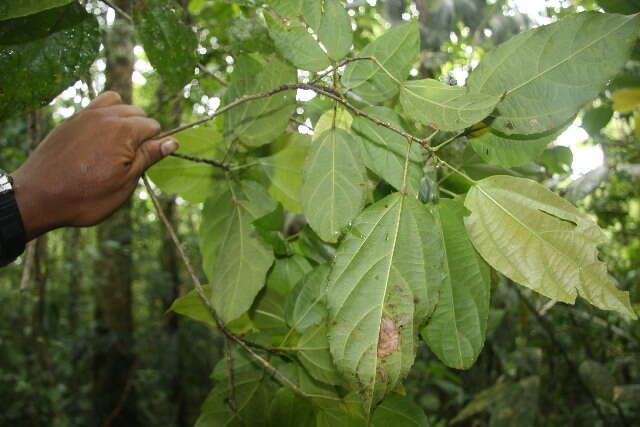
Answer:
(557, 159)
(444, 107)
(272, 221)
(253, 393)
(305, 305)
(330, 409)
(547, 74)
(298, 46)
(287, 8)
(259, 122)
(482, 401)
(269, 227)
(331, 23)
(385, 151)
(457, 329)
(43, 54)
(243, 364)
(383, 286)
(190, 180)
(248, 35)
(339, 415)
(336, 117)
(399, 411)
(308, 244)
(235, 259)
(313, 354)
(284, 170)
(11, 10)
(541, 241)
(509, 403)
(290, 409)
(333, 183)
(397, 50)
(267, 312)
(595, 119)
(321, 395)
(626, 100)
(168, 42)
(627, 7)
(518, 405)
(585, 185)
(498, 150)
(478, 169)
(598, 378)
(287, 272)
(315, 108)
(192, 306)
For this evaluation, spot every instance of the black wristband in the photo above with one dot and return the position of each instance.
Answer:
(12, 234)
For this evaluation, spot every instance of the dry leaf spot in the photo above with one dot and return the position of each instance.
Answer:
(389, 339)
(382, 374)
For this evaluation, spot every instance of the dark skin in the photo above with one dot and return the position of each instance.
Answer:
(87, 167)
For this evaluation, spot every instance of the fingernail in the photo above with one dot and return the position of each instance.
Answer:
(168, 147)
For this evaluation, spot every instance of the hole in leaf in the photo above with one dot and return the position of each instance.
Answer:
(568, 221)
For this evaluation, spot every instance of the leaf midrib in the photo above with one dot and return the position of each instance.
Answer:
(450, 283)
(533, 232)
(577, 52)
(241, 257)
(444, 106)
(384, 294)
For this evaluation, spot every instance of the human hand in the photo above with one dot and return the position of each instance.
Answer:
(87, 167)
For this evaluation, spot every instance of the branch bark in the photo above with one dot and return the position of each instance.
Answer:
(321, 90)
(245, 345)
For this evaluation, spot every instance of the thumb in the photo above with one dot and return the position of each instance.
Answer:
(151, 152)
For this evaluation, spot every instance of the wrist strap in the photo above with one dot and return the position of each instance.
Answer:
(12, 234)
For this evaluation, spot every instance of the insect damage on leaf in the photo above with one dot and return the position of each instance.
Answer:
(389, 338)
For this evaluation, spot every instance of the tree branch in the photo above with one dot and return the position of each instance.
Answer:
(321, 90)
(124, 14)
(220, 80)
(232, 384)
(214, 163)
(342, 63)
(246, 346)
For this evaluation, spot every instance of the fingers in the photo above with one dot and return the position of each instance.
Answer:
(152, 152)
(123, 110)
(142, 128)
(105, 99)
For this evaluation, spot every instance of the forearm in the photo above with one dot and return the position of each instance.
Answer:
(37, 213)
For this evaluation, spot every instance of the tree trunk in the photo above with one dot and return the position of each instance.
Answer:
(169, 114)
(72, 249)
(114, 360)
(40, 337)
(34, 276)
